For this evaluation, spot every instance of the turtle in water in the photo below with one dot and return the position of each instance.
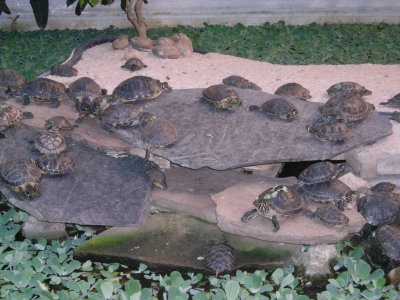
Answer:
(221, 258)
(240, 82)
(321, 172)
(159, 133)
(134, 64)
(9, 115)
(50, 142)
(54, 164)
(13, 79)
(379, 208)
(278, 203)
(380, 187)
(43, 90)
(156, 176)
(64, 71)
(329, 129)
(329, 192)
(277, 107)
(58, 123)
(393, 102)
(22, 177)
(222, 96)
(348, 88)
(332, 216)
(83, 91)
(293, 89)
(349, 108)
(388, 237)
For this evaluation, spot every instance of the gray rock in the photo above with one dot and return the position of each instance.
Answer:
(34, 229)
(316, 259)
(170, 52)
(183, 43)
(121, 42)
(142, 43)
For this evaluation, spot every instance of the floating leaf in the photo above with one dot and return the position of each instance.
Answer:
(107, 288)
(231, 289)
(132, 286)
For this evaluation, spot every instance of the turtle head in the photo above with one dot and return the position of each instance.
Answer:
(146, 118)
(29, 190)
(292, 114)
(165, 86)
(351, 196)
(107, 101)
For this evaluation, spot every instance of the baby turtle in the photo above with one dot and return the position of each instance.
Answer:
(83, 91)
(44, 90)
(293, 89)
(54, 164)
(379, 208)
(321, 172)
(332, 216)
(50, 142)
(159, 133)
(222, 96)
(9, 115)
(64, 71)
(328, 129)
(156, 176)
(349, 108)
(348, 88)
(134, 64)
(380, 187)
(277, 107)
(388, 237)
(221, 258)
(240, 82)
(393, 102)
(278, 203)
(58, 123)
(13, 79)
(330, 192)
(22, 177)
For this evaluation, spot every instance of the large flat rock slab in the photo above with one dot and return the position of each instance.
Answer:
(102, 190)
(233, 202)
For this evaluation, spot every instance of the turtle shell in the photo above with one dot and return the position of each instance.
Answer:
(13, 79)
(9, 114)
(332, 216)
(159, 133)
(240, 82)
(328, 129)
(50, 142)
(83, 91)
(64, 71)
(379, 208)
(222, 96)
(58, 123)
(348, 88)
(44, 89)
(22, 177)
(350, 108)
(321, 172)
(221, 258)
(393, 102)
(54, 164)
(278, 107)
(125, 115)
(293, 89)
(156, 176)
(139, 88)
(380, 187)
(388, 237)
(332, 192)
(134, 64)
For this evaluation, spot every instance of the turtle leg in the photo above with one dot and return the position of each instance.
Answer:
(27, 100)
(27, 115)
(54, 103)
(340, 204)
(148, 152)
(247, 216)
(276, 224)
(308, 213)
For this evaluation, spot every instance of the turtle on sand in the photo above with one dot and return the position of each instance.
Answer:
(348, 88)
(240, 82)
(43, 90)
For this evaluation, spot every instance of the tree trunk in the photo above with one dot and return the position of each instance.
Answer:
(138, 22)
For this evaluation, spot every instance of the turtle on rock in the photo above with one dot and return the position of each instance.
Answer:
(347, 88)
(384, 186)
(54, 164)
(293, 89)
(9, 115)
(83, 91)
(240, 82)
(222, 96)
(50, 142)
(134, 64)
(64, 71)
(278, 203)
(221, 258)
(277, 107)
(156, 175)
(13, 79)
(329, 129)
(380, 208)
(332, 216)
(43, 90)
(388, 237)
(58, 123)
(321, 172)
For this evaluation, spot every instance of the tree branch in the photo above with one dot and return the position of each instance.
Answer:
(138, 22)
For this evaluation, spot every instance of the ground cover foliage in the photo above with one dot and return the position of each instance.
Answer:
(34, 52)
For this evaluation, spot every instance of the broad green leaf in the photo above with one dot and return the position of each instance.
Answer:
(200, 296)
(132, 286)
(231, 290)
(288, 280)
(277, 276)
(146, 294)
(41, 11)
(107, 288)
(93, 3)
(363, 269)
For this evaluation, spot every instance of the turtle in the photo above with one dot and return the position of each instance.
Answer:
(64, 71)
(394, 116)
(159, 133)
(332, 216)
(222, 96)
(83, 91)
(50, 142)
(9, 115)
(278, 203)
(321, 172)
(58, 123)
(293, 89)
(156, 176)
(349, 108)
(240, 82)
(380, 208)
(348, 88)
(388, 237)
(328, 129)
(277, 107)
(134, 64)
(13, 79)
(330, 192)
(380, 187)
(124, 115)
(221, 258)
(44, 90)
(393, 102)
(23, 177)
(54, 164)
